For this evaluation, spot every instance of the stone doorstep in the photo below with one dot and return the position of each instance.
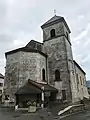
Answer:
(65, 110)
(71, 109)
(64, 116)
(74, 112)
(25, 109)
(22, 109)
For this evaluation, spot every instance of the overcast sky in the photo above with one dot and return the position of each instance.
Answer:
(20, 21)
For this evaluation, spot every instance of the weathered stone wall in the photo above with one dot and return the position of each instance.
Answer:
(81, 83)
(59, 30)
(57, 59)
(20, 67)
(31, 65)
(60, 57)
(12, 73)
(71, 71)
(66, 32)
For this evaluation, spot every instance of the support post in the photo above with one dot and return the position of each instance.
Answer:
(42, 97)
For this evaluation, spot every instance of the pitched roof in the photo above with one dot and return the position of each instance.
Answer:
(46, 86)
(32, 87)
(28, 89)
(55, 19)
(79, 66)
(34, 41)
(35, 45)
(32, 46)
(1, 76)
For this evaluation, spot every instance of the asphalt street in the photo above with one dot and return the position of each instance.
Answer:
(7, 114)
(10, 114)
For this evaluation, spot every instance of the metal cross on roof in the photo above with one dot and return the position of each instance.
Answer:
(54, 11)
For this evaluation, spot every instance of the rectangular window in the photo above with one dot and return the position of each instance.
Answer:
(80, 80)
(1, 84)
(43, 74)
(0, 91)
(64, 94)
(77, 78)
(84, 82)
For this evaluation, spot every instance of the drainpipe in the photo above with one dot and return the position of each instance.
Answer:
(42, 96)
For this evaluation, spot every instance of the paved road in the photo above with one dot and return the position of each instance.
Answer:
(9, 114)
(6, 114)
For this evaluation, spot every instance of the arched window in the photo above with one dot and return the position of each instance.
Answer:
(57, 75)
(52, 32)
(43, 74)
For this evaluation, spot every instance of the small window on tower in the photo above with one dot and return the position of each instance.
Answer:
(43, 74)
(52, 32)
(67, 35)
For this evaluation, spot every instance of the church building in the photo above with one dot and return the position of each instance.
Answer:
(46, 68)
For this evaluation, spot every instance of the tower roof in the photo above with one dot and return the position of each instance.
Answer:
(55, 19)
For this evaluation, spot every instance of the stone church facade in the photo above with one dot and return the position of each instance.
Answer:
(50, 62)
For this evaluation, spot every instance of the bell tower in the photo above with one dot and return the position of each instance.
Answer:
(57, 44)
(55, 27)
